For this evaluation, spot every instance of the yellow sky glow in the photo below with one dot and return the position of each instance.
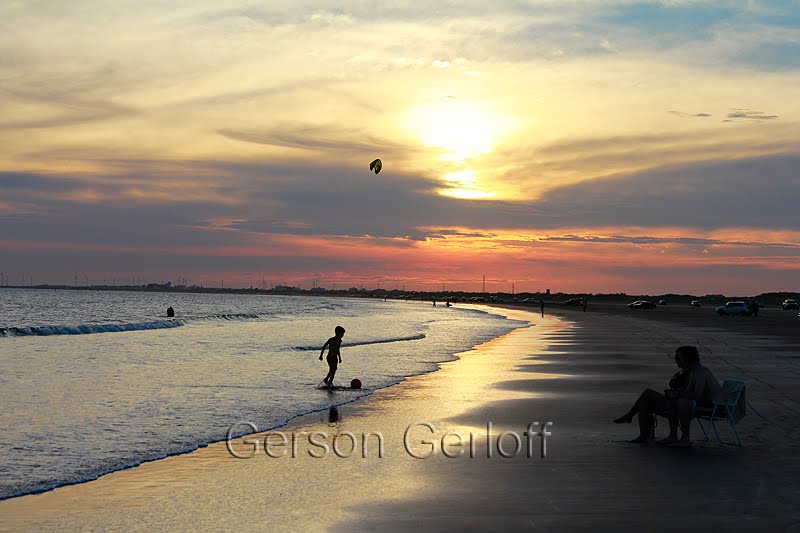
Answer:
(513, 120)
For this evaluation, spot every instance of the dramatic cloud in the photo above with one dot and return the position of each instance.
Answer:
(528, 139)
(665, 240)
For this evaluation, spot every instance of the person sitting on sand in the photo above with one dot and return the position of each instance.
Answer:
(334, 355)
(702, 389)
(651, 403)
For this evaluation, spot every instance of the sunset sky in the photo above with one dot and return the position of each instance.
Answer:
(601, 146)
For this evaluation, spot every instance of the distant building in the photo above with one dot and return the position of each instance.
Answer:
(285, 288)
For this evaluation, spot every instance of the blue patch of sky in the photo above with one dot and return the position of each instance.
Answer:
(671, 25)
(772, 56)
(686, 21)
(781, 13)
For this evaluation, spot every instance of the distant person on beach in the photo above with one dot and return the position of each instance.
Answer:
(585, 302)
(434, 302)
(542, 306)
(755, 307)
(651, 403)
(334, 356)
(170, 312)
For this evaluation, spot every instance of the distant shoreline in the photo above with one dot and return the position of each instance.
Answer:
(551, 299)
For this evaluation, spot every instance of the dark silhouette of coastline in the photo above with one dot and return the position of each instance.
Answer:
(525, 299)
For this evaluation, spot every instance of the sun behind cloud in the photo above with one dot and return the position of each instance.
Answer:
(461, 132)
(464, 185)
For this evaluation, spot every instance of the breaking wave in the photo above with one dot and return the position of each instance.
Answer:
(84, 329)
(417, 337)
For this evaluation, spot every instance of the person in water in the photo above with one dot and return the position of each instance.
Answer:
(651, 403)
(334, 355)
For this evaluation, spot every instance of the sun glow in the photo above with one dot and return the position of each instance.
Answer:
(460, 130)
(459, 133)
(464, 185)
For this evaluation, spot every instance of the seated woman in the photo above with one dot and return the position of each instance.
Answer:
(702, 390)
(651, 403)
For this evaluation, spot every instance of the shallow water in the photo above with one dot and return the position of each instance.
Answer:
(81, 398)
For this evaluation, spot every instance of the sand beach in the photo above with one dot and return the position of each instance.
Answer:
(576, 370)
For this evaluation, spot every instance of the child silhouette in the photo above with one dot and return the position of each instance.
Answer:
(334, 355)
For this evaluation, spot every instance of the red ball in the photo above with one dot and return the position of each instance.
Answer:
(355, 384)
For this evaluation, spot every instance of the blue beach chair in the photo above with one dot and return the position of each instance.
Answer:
(732, 408)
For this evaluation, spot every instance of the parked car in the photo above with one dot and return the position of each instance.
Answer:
(734, 308)
(662, 302)
(695, 303)
(791, 305)
(574, 301)
(641, 304)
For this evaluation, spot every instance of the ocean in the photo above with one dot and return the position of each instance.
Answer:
(97, 381)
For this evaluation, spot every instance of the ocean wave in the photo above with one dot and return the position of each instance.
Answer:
(84, 329)
(233, 316)
(417, 337)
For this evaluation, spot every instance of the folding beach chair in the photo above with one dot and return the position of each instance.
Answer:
(732, 408)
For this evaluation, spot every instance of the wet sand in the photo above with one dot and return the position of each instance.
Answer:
(771, 321)
(575, 370)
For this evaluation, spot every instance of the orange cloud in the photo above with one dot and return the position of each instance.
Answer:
(591, 260)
